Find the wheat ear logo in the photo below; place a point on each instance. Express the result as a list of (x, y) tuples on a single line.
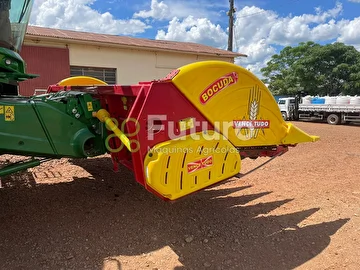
[(252, 123), (254, 103)]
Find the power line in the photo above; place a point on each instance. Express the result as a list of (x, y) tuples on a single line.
[(252, 14), (233, 28), (259, 12)]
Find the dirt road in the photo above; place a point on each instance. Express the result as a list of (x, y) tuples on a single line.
[(301, 211)]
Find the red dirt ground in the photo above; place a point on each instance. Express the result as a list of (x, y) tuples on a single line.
[(300, 211)]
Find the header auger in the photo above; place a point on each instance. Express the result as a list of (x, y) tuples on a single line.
[(178, 135)]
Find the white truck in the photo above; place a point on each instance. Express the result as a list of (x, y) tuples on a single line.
[(335, 110)]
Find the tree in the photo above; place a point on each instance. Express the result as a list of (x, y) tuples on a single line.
[(317, 69)]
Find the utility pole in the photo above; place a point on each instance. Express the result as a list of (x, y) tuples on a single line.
[(231, 25)]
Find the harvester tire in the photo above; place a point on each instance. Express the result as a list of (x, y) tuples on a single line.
[(333, 119)]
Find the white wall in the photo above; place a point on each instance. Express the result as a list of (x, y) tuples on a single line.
[(133, 65)]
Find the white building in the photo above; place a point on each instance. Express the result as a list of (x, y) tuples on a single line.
[(57, 54)]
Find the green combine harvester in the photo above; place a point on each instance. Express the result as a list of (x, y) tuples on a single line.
[(14, 18), (50, 126)]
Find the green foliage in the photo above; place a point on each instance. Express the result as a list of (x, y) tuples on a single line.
[(330, 69)]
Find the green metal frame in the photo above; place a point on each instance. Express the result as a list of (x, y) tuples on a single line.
[(12, 67)]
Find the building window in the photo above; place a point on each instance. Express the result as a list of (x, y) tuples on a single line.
[(107, 75)]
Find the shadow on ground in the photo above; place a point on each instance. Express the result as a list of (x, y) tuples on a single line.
[(78, 225)]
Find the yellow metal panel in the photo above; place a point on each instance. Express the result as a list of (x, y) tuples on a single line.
[(295, 136), (179, 167), (81, 81), (237, 103)]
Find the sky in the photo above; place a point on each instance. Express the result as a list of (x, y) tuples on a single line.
[(261, 29)]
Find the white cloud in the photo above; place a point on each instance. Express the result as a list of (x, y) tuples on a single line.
[(258, 54), (158, 10), (326, 31), (255, 24), (355, 1), (167, 10), (78, 15), (194, 30), (350, 32), (259, 32)]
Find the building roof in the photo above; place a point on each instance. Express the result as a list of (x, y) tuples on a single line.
[(141, 43)]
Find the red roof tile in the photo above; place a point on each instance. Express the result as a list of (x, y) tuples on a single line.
[(128, 41)]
